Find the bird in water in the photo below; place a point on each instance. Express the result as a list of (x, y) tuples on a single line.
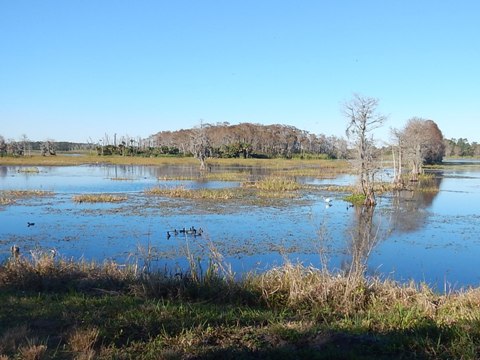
[(327, 200), (30, 224)]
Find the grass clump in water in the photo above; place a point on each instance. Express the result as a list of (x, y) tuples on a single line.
[(9, 197), (22, 194), (98, 198), (183, 193), (274, 187), (355, 199), (29, 170)]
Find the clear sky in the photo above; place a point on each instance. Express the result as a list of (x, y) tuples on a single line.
[(74, 70)]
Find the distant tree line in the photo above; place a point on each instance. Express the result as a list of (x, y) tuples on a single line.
[(25, 147), (461, 147), (247, 140)]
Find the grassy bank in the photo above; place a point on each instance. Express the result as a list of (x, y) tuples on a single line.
[(52, 308), (309, 166)]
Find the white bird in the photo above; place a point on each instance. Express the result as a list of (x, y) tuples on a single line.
[(327, 200)]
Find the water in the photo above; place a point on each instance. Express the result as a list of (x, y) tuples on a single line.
[(425, 236)]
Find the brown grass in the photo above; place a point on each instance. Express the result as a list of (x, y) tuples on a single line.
[(99, 198), (181, 192), (20, 194), (82, 343)]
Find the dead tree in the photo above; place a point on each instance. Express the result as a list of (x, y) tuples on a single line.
[(363, 118)]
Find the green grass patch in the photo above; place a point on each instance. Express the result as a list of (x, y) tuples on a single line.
[(356, 199)]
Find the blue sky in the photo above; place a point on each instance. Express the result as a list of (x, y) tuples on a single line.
[(74, 70)]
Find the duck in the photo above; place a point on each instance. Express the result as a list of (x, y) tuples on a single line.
[(30, 223)]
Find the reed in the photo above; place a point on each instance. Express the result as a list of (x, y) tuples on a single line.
[(274, 184)]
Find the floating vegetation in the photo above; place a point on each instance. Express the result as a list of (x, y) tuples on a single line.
[(356, 199), (9, 197), (181, 192), (121, 179), (99, 198), (211, 176), (29, 170), (26, 193), (6, 201)]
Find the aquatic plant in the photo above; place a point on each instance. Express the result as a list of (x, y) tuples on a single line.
[(182, 192), (275, 184), (32, 169), (98, 198)]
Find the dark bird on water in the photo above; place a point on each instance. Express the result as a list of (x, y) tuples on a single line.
[(30, 224)]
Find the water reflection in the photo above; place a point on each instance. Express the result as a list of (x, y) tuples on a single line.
[(364, 236), (409, 207)]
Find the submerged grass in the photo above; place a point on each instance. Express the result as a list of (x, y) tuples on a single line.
[(54, 308), (99, 198)]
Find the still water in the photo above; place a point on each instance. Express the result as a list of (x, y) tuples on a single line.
[(427, 236)]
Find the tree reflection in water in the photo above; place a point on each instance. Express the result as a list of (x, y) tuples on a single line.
[(407, 213), (364, 236)]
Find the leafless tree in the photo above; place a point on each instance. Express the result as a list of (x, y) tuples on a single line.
[(25, 145), (363, 118), (398, 148), (199, 144), (48, 148)]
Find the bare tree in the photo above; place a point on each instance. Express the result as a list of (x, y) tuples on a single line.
[(25, 145), (363, 118), (398, 147), (48, 148), (200, 144)]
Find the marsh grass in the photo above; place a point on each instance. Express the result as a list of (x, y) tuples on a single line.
[(22, 194), (30, 170), (274, 184), (210, 176), (98, 198), (203, 194), (111, 311), (9, 197)]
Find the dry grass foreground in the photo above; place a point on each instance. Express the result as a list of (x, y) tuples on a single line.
[(52, 308)]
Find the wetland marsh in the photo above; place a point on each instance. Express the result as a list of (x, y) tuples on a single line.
[(429, 236)]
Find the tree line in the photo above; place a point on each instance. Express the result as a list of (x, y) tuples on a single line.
[(249, 140), (26, 147)]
